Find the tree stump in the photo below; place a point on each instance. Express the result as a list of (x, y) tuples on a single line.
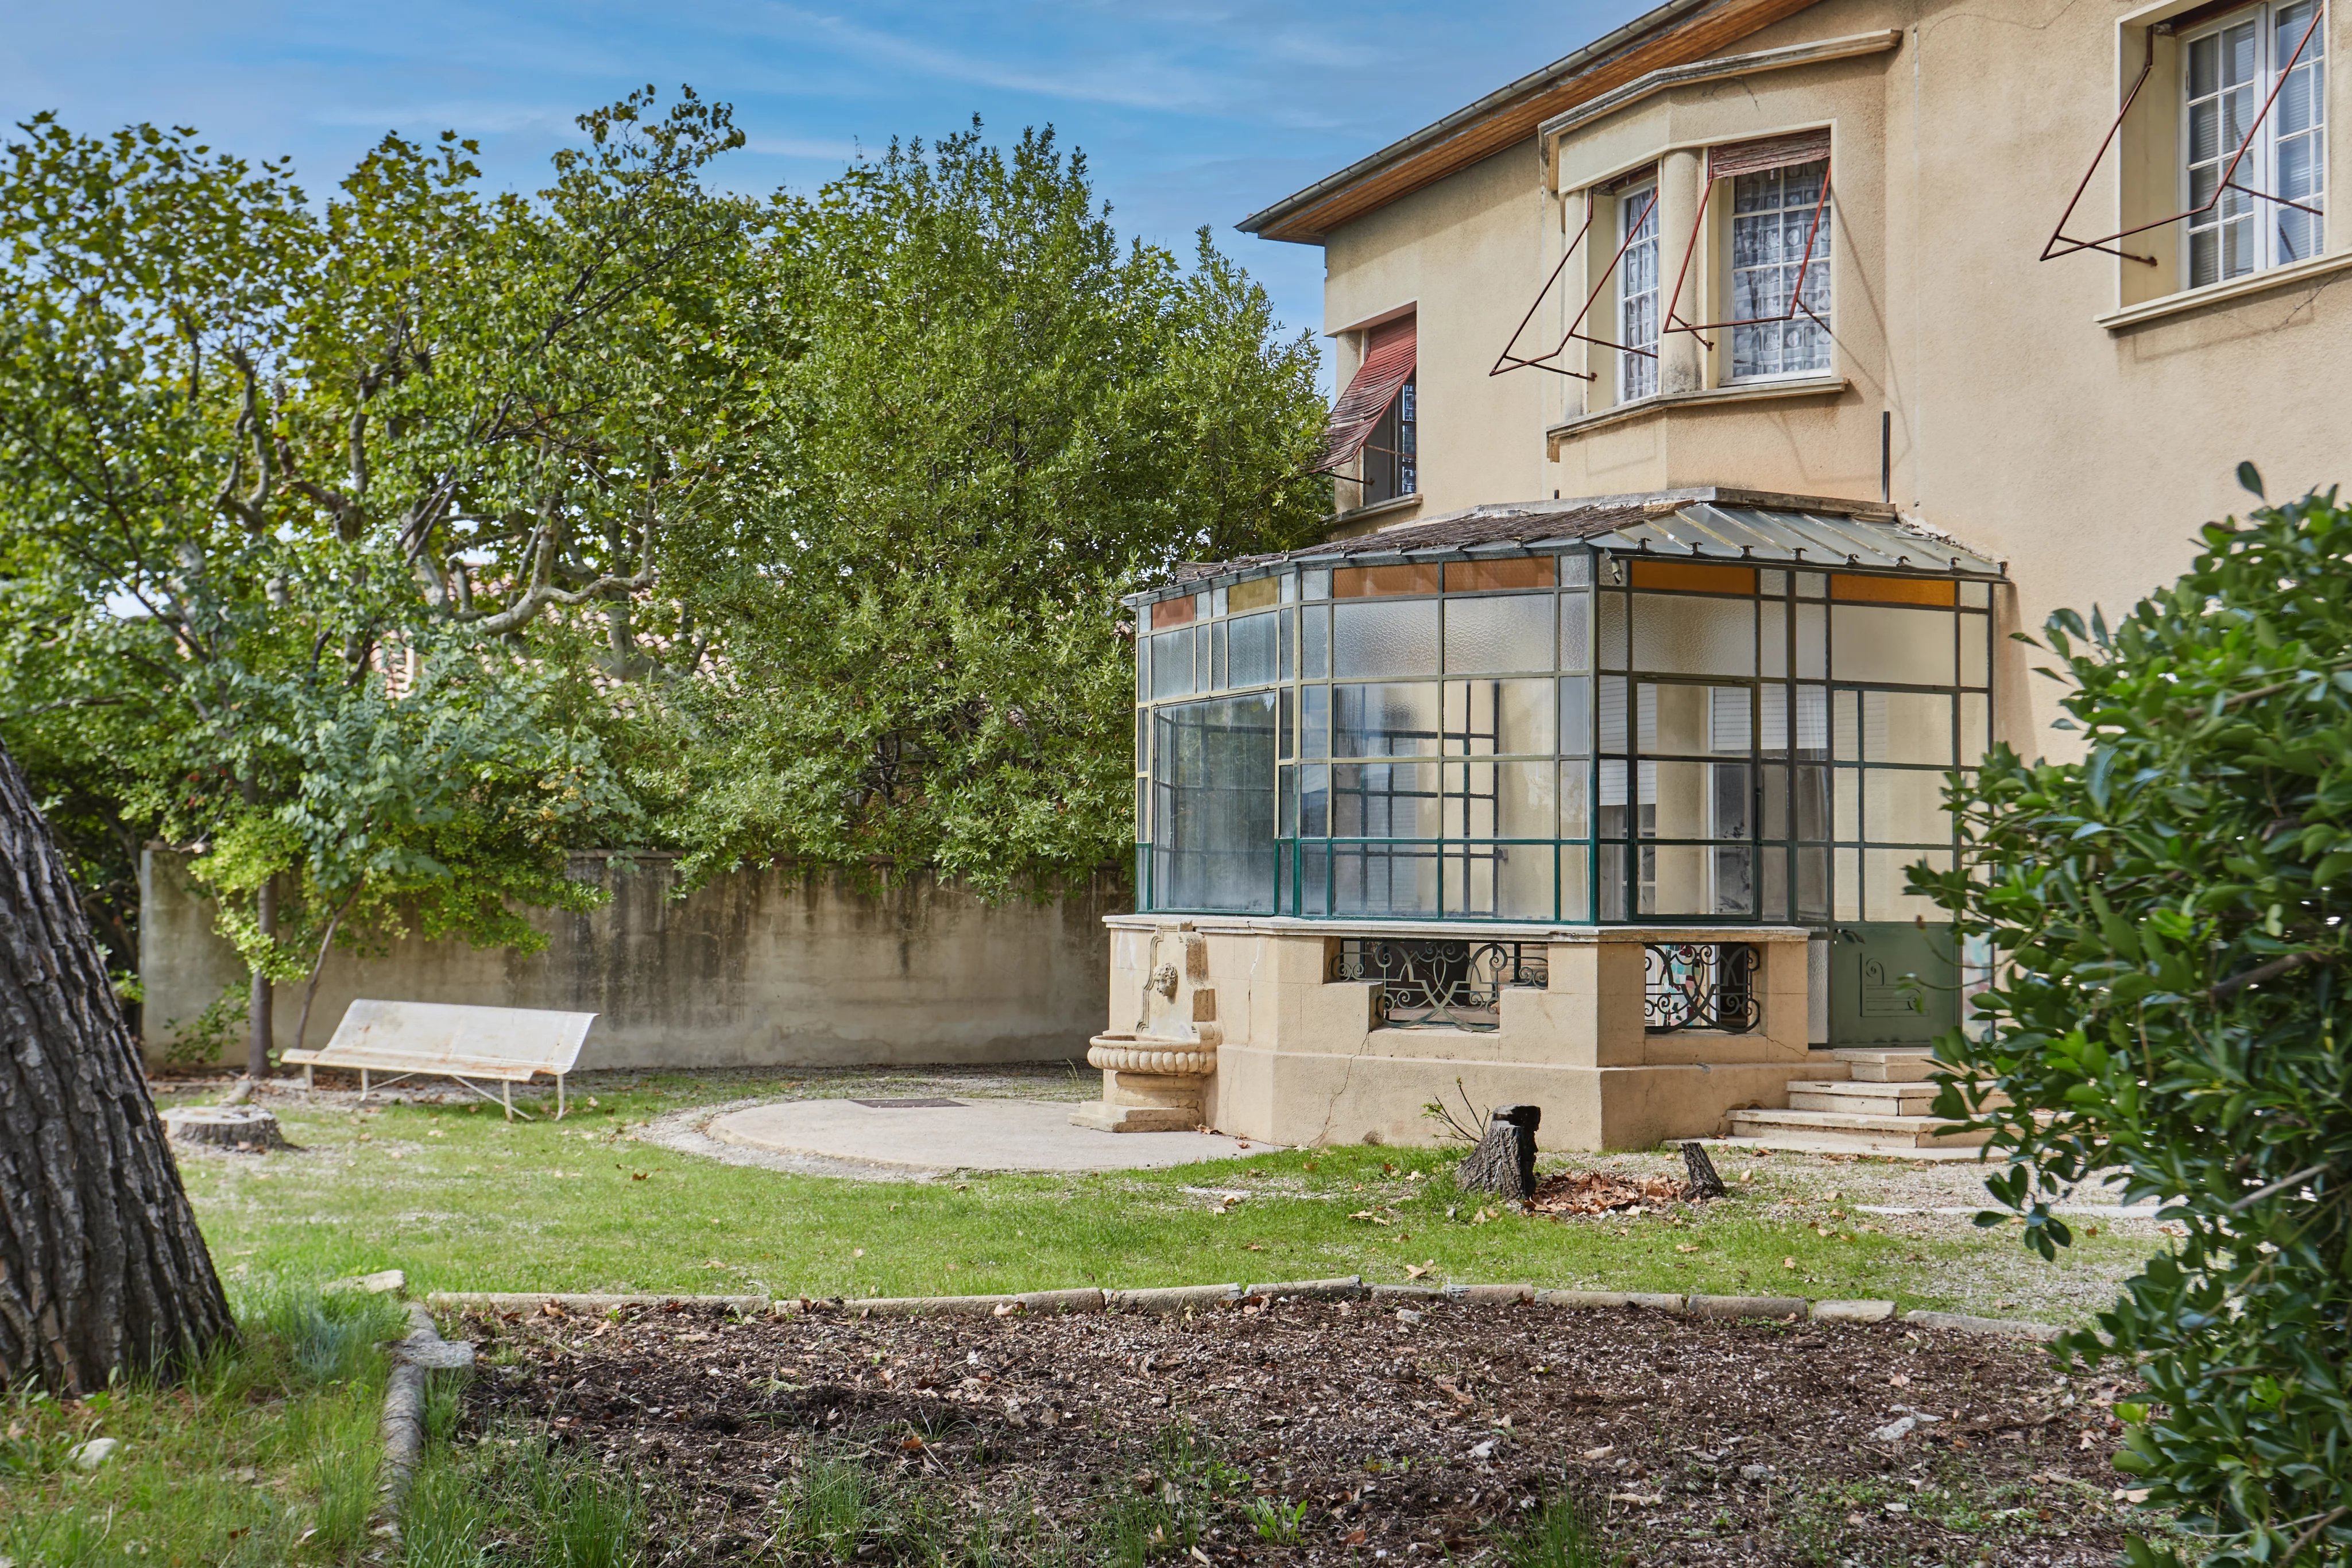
[(1704, 1182), (1504, 1163), (102, 1267), (246, 1129)]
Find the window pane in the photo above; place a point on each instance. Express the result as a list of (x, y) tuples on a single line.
[(1773, 871), (1172, 663), (1498, 718), (1288, 729), (1813, 641), (1976, 727), (1845, 741), (1975, 650), (1779, 255), (1575, 630), (1697, 879), (1772, 819), (1251, 661), (1494, 635), (1610, 643), (1385, 720), (1142, 669), (1772, 638), (1218, 678), (1315, 801), (1314, 879), (1572, 785), (1575, 716), (1383, 879), (1286, 801), (1695, 799), (1214, 831), (1694, 721), (1813, 803), (1683, 634), (1637, 293), (1384, 800), (1315, 721), (1575, 870), (1609, 885), (1883, 880), (1314, 641), (1500, 882), (1883, 644), (1500, 799), (1845, 819), (1612, 713), (1906, 726), (1813, 885), (1901, 807), (1385, 639)]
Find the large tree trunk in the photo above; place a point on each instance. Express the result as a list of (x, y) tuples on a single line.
[(260, 996), (102, 1266)]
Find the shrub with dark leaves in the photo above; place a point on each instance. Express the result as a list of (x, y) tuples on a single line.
[(2172, 1000)]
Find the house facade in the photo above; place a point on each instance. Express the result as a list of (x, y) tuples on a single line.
[(1714, 401)]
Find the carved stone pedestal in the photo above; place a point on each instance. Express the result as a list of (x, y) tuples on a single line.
[(1148, 1086)]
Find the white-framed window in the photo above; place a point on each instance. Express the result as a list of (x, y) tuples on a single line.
[(1775, 214), (2228, 70), (1637, 293)]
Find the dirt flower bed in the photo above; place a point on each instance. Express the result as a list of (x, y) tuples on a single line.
[(1310, 1431)]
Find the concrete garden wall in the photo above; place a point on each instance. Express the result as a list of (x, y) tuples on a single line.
[(773, 967)]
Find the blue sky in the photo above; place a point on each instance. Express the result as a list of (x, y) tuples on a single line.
[(1190, 112)]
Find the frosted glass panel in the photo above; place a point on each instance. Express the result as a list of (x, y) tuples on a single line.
[(1879, 642), (1385, 639), (1906, 726), (1498, 718), (1384, 800), (1314, 641), (1575, 716), (1697, 800), (1612, 713), (1172, 663), (1572, 787), (1813, 885), (1499, 635), (1611, 642), (1900, 806), (1976, 727), (1251, 660), (1846, 865), (1683, 634), (1883, 881), (1772, 639), (1575, 630), (1813, 649), (1974, 651), (1500, 799), (1845, 732), (1846, 813), (1315, 721), (1575, 872), (1385, 720), (1315, 801), (1693, 721)]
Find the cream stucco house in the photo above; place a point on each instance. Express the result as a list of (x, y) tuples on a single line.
[(1715, 399)]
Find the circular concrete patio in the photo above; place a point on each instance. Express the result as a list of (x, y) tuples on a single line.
[(941, 1133)]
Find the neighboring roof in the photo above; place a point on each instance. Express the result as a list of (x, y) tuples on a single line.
[(1675, 32), (1707, 521)]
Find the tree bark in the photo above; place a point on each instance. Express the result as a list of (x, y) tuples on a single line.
[(258, 1007), (102, 1266), (1505, 1160)]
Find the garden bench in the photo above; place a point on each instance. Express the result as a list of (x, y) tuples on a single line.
[(503, 1045)]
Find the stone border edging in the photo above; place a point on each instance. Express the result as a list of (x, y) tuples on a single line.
[(402, 1426), (1189, 1298)]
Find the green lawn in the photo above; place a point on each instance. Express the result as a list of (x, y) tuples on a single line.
[(462, 1199)]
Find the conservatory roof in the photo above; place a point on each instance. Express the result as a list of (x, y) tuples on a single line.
[(1707, 521)]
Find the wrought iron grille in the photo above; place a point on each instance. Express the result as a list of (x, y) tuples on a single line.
[(1434, 983), (1699, 984)]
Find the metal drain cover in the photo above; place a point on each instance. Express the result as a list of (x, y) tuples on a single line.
[(929, 1104)]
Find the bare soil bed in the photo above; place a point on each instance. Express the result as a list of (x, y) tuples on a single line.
[(1314, 1431)]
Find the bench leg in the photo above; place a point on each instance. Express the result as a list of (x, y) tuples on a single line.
[(363, 1082), (559, 1096), (506, 1097), (310, 1081)]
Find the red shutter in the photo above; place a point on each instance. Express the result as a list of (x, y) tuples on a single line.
[(1771, 152), (1388, 365)]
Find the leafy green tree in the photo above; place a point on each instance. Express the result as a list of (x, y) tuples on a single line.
[(258, 459), (2173, 920), (987, 420)]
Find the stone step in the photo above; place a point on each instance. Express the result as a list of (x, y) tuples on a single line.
[(1890, 1066), (1840, 1144), (1867, 1099), (1863, 1131)]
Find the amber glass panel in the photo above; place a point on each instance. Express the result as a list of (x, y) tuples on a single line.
[(1258, 594), (1892, 589), (1176, 612), (1692, 577), (1371, 581), (1479, 576)]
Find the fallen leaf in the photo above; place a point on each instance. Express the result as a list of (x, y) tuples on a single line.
[(1415, 1271), (1602, 1452), (1685, 1246), (1251, 1246), (1354, 1538), (857, 1253), (1368, 1213), (1788, 1263)]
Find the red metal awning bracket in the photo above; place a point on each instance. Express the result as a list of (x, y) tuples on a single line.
[(2063, 243), (1507, 361)]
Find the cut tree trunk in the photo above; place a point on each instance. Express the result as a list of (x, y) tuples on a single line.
[(1505, 1160), (102, 1267), (248, 1129)]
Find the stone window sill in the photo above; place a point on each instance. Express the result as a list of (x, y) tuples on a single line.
[(1743, 392), (1363, 519), (2189, 300)]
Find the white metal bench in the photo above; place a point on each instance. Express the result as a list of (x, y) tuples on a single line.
[(502, 1045)]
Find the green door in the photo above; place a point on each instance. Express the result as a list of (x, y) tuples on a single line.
[(1892, 982)]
